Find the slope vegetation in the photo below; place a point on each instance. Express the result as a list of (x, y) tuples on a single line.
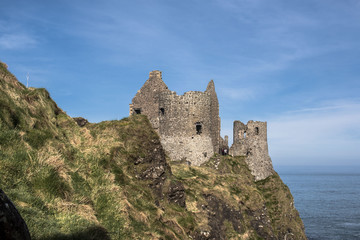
[(112, 180)]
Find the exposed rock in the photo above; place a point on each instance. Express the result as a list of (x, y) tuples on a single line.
[(12, 225), (219, 212), (81, 121), (176, 194), (261, 223), (153, 167)]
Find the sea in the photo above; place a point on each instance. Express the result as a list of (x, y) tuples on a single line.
[(327, 198)]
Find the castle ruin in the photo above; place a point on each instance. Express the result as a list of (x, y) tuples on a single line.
[(189, 126), (250, 140)]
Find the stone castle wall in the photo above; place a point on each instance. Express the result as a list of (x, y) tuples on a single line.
[(146, 100), (182, 114), (215, 123), (239, 147), (251, 140), (185, 126)]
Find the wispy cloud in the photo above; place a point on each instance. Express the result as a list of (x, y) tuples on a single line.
[(13, 41), (281, 35), (241, 94), (338, 105), (320, 135)]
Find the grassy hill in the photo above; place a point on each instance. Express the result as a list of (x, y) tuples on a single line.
[(112, 180)]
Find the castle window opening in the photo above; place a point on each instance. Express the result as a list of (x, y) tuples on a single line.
[(137, 110), (256, 131), (248, 152), (198, 128), (244, 134), (162, 111)]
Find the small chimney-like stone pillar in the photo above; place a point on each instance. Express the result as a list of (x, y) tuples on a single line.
[(155, 74)]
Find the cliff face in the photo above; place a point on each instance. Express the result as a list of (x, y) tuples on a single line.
[(71, 179)]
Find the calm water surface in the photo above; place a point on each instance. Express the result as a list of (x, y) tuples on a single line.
[(327, 198)]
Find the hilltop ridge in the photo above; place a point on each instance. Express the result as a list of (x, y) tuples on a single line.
[(70, 179)]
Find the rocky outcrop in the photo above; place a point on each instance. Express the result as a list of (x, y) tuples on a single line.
[(176, 194), (218, 212), (12, 225), (153, 166), (81, 121)]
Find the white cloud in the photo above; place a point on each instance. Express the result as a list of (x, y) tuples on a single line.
[(326, 134), (242, 94), (17, 41)]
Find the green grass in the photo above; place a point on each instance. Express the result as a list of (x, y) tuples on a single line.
[(11, 115), (48, 181), (37, 138), (187, 221)]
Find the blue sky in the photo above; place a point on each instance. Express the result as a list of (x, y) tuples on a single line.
[(294, 64)]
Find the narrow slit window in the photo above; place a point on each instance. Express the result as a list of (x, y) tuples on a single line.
[(256, 131), (162, 111), (244, 134), (198, 128)]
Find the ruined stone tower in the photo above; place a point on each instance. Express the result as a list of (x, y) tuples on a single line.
[(251, 140), (146, 100), (188, 124)]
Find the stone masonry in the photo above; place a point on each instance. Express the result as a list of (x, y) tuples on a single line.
[(185, 126), (251, 140), (189, 126)]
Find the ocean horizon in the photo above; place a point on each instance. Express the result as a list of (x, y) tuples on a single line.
[(327, 198)]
